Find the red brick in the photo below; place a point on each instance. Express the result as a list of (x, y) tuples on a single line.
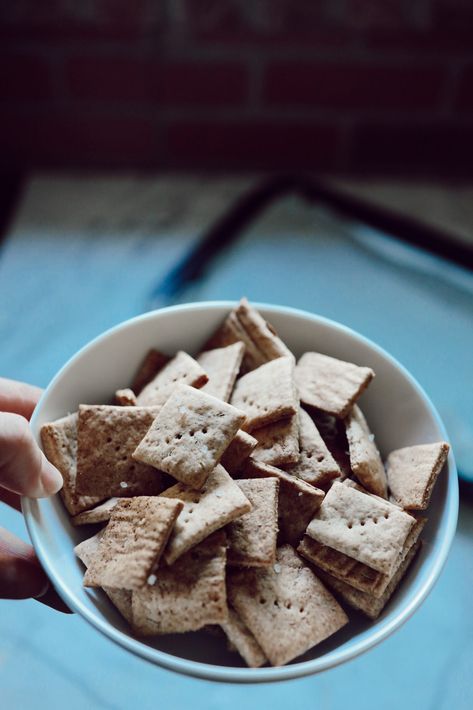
[(24, 76), (464, 100), (252, 145), (353, 86), (167, 83)]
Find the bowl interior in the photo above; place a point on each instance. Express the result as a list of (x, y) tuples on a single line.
[(398, 412)]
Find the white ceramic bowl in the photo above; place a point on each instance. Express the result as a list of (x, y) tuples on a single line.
[(399, 413)]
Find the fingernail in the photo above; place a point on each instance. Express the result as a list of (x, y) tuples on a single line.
[(51, 479)]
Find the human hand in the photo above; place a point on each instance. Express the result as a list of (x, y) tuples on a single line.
[(24, 470)]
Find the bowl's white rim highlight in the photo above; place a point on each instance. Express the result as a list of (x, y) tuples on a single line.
[(368, 638)]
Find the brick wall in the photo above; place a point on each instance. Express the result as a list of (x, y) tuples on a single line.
[(346, 85)]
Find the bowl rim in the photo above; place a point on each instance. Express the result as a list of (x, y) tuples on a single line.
[(250, 675)]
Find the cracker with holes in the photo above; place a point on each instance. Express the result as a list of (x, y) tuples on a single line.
[(363, 527), (316, 464), (106, 439), (189, 435), (187, 595), (267, 394), (182, 369), (131, 546), (252, 537), (238, 451), (243, 641), (100, 514), (298, 500), (278, 443), (59, 441), (413, 471), (330, 385), (222, 366), (365, 459), (206, 510), (286, 608)]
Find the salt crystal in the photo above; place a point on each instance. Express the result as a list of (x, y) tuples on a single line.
[(300, 493), (277, 568), (218, 495), (371, 437), (152, 579), (123, 484)]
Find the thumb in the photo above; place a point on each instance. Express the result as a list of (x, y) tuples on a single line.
[(21, 576)]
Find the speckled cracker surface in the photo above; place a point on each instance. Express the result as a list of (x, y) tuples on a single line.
[(298, 500), (107, 437), (182, 369), (222, 366), (365, 459), (219, 502), (329, 384), (238, 451), (241, 638), (316, 464), (363, 527), (189, 435), (152, 363), (100, 514), (286, 608), (413, 471), (186, 596), (132, 543), (125, 398), (267, 394), (59, 441), (252, 538), (278, 443)]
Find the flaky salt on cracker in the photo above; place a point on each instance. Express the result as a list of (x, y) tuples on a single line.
[(186, 596), (298, 500), (267, 394), (189, 435), (363, 527), (59, 441), (252, 537), (365, 459), (243, 641), (286, 608), (132, 543), (182, 369), (238, 451), (222, 366), (100, 514), (413, 471), (245, 324), (330, 385), (316, 464), (125, 398), (219, 502), (106, 439), (152, 363), (278, 443)]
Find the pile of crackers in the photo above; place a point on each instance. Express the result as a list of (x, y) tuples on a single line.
[(242, 491)]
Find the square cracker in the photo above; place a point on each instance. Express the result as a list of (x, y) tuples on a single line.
[(278, 443), (186, 596), (121, 598), (316, 464), (363, 527), (181, 369), (219, 502), (365, 459), (222, 366), (298, 500), (353, 573), (107, 437), (329, 384), (241, 639), (189, 435), (286, 608), (59, 441), (238, 451), (100, 514), (365, 602), (267, 394), (133, 542), (152, 363), (244, 323), (252, 538), (413, 471)]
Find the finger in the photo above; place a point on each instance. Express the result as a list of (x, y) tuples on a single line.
[(18, 397), (21, 575), (24, 469), (11, 499)]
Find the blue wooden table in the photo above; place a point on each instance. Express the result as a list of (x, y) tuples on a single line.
[(85, 253)]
